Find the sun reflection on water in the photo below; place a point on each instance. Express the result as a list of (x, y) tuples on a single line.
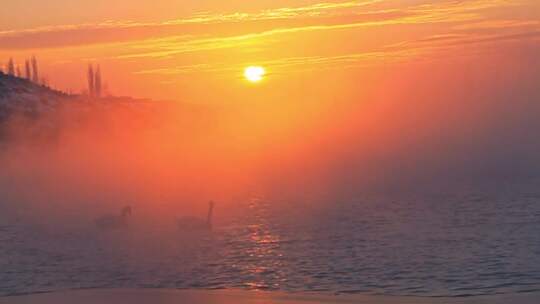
[(264, 254)]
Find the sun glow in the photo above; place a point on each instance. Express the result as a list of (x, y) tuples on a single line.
[(254, 73)]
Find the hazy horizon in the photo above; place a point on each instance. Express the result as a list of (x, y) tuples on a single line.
[(376, 146)]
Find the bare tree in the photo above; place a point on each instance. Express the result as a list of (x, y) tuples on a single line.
[(28, 74), (35, 74), (91, 80), (97, 82), (11, 67)]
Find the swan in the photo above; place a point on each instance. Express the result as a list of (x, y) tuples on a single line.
[(189, 223), (111, 222)]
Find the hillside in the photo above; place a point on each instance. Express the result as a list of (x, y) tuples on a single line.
[(29, 110), (21, 96), (39, 113)]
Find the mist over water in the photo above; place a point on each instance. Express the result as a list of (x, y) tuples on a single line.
[(437, 246), (410, 191)]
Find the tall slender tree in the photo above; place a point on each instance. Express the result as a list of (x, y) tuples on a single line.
[(18, 71), (28, 72), (91, 80), (97, 82), (11, 67), (35, 74)]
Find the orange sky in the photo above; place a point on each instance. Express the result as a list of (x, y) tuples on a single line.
[(356, 92), (167, 49)]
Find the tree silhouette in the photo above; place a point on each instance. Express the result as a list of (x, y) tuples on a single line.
[(18, 71), (91, 80), (28, 72), (35, 74), (11, 67), (97, 82)]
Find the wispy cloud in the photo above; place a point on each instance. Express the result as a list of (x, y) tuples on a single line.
[(477, 31), (174, 45), (301, 63), (199, 24), (322, 16), (319, 9), (447, 24), (497, 24), (447, 12)]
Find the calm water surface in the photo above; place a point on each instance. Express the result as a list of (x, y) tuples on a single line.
[(439, 245)]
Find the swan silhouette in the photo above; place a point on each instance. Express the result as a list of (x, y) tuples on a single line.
[(111, 222), (190, 223)]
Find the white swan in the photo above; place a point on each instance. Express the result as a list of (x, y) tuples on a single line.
[(111, 222), (189, 223)]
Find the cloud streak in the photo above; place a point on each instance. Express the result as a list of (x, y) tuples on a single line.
[(200, 24), (322, 16), (448, 12), (428, 28)]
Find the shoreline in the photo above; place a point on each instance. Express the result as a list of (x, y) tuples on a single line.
[(234, 296)]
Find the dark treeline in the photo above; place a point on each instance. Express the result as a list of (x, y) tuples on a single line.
[(96, 87), (31, 71), (94, 81)]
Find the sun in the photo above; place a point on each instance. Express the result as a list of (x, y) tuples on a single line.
[(254, 73)]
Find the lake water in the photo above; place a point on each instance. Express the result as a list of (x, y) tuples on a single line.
[(436, 245)]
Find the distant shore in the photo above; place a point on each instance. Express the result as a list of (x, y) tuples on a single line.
[(166, 296)]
